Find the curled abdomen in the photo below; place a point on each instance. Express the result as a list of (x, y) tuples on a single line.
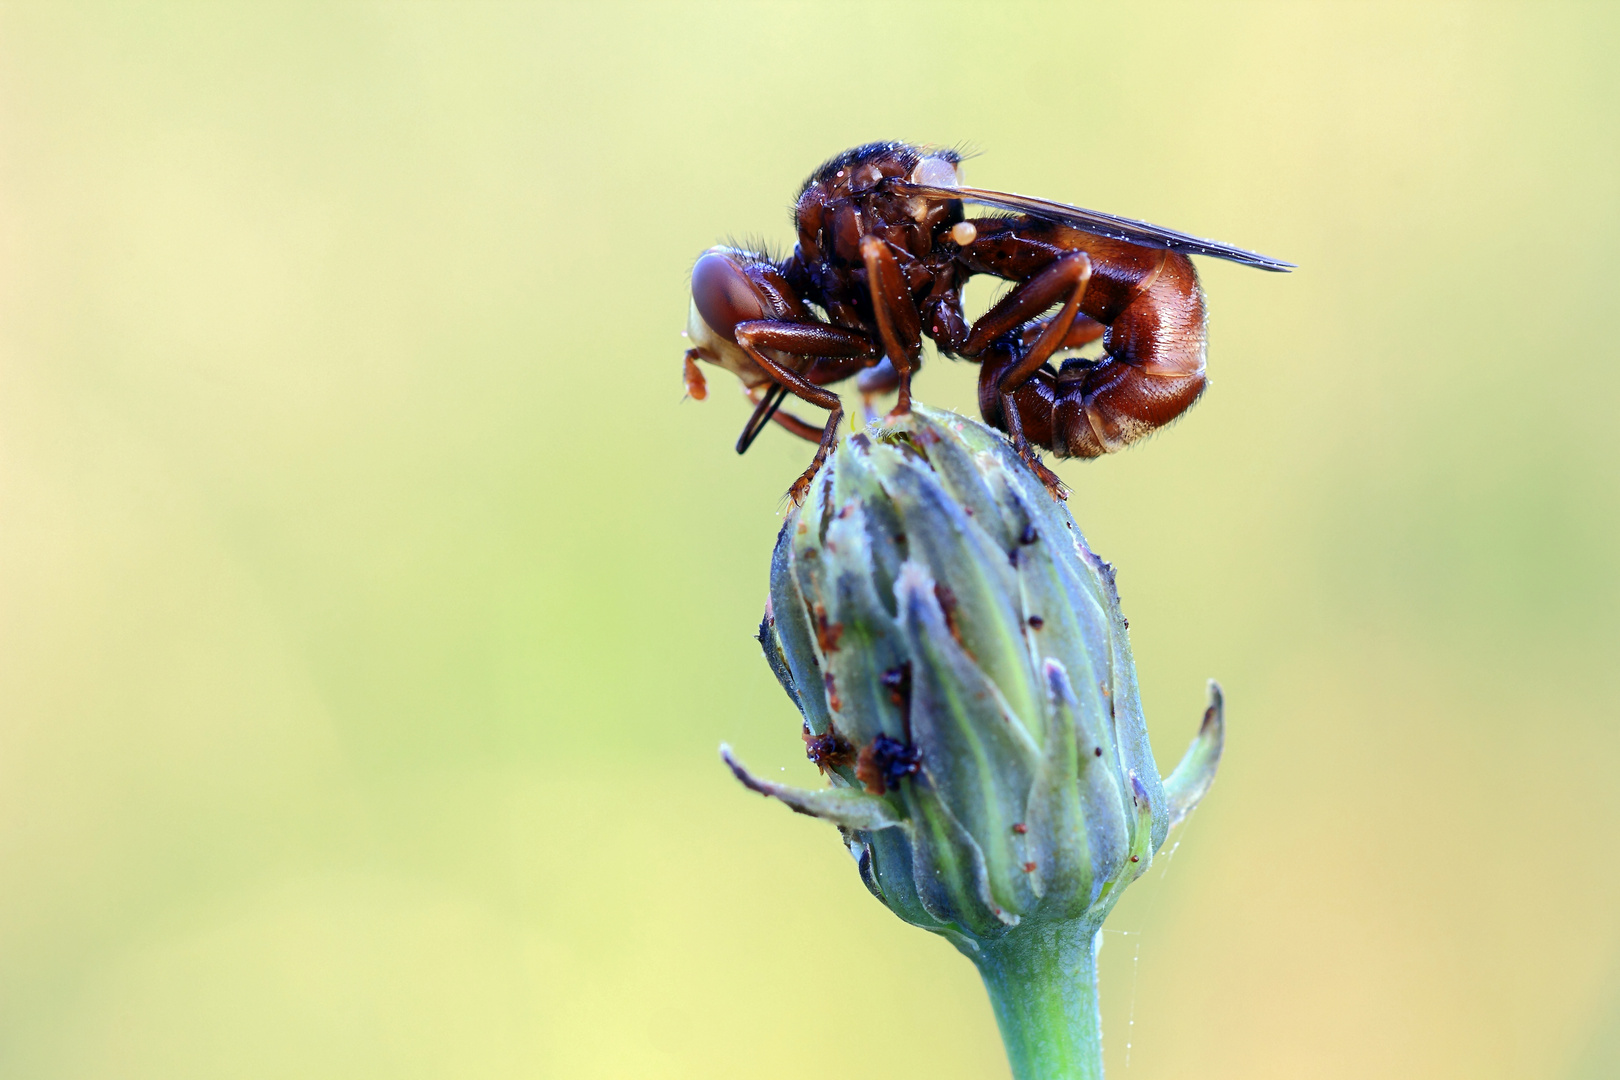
[(1151, 372)]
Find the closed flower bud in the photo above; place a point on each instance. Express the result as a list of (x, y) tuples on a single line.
[(962, 668)]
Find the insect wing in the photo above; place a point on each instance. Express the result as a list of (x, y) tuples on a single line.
[(1115, 228)]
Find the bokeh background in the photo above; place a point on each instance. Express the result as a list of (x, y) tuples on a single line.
[(371, 605)]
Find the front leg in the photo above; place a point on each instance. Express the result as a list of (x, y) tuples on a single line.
[(814, 340), (767, 402), (899, 324)]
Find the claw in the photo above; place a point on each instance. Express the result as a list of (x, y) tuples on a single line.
[(1054, 484), (801, 488)]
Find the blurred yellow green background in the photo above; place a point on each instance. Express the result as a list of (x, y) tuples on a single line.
[(371, 605)]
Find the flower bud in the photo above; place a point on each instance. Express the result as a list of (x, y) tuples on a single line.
[(965, 680)]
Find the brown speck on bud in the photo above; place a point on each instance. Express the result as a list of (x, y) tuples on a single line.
[(1029, 867), (828, 750), (1036, 622), (827, 633), (1020, 828), (833, 701), (868, 773), (897, 680), (947, 605)]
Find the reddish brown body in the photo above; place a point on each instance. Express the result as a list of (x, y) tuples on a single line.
[(883, 252), (1149, 308)]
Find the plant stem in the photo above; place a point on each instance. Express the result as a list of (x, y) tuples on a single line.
[(1042, 982)]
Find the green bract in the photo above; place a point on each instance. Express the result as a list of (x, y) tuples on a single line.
[(965, 679)]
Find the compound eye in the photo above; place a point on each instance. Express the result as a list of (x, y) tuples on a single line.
[(723, 294)]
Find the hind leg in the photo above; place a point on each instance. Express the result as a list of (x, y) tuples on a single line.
[(1066, 278)]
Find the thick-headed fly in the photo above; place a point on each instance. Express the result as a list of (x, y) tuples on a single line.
[(883, 251)]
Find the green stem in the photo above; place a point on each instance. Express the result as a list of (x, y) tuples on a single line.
[(1042, 982)]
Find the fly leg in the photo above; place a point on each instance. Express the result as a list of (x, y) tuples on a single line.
[(767, 398), (874, 382), (696, 388), (1083, 331), (899, 324), (1065, 278), (815, 340), (1029, 298)]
